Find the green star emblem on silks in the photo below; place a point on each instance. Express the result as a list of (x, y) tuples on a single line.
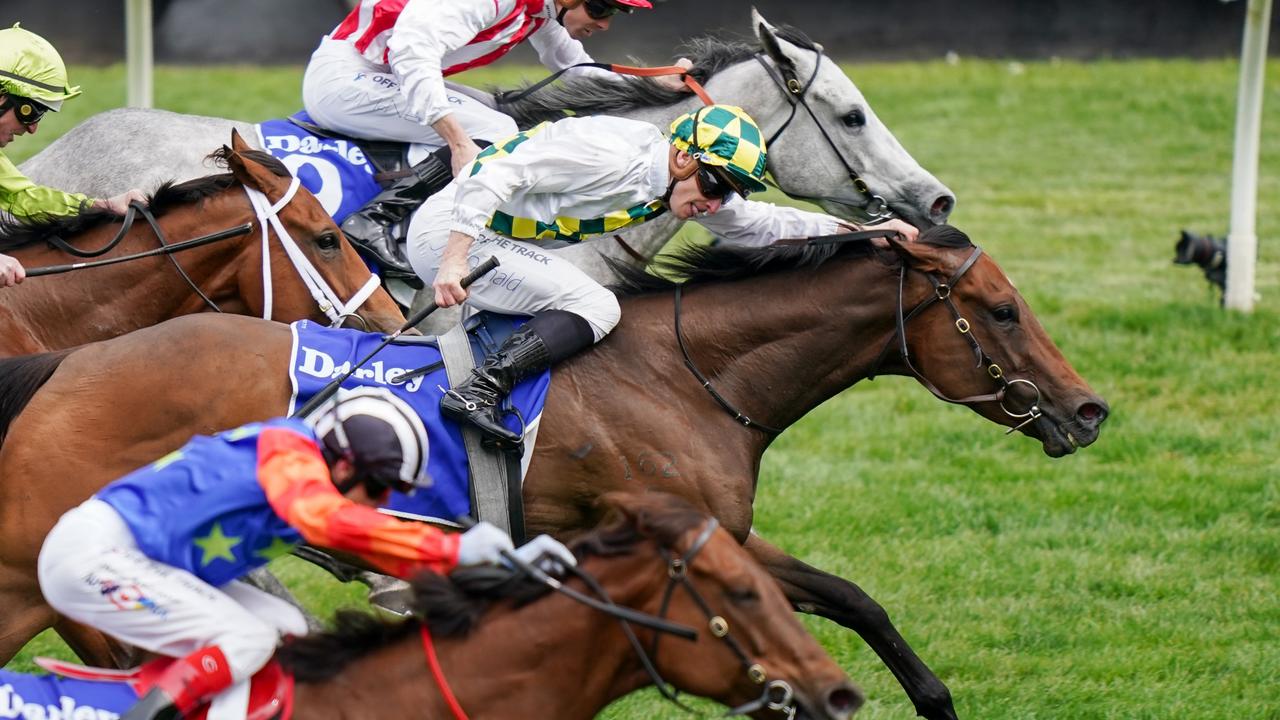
[(217, 545), (278, 547)]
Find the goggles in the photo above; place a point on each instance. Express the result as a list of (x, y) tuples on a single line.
[(716, 183), (600, 9), (26, 110)]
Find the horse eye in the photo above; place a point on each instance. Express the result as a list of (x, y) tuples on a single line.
[(328, 241), (1005, 314), (742, 595), (855, 119)]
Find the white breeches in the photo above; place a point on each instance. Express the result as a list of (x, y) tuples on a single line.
[(343, 91), (528, 279), (92, 571)]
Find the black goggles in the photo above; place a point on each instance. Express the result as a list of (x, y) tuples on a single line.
[(26, 110), (715, 183), (600, 9)]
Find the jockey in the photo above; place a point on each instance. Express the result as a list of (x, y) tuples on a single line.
[(33, 80), (170, 540), (380, 75), (565, 181)]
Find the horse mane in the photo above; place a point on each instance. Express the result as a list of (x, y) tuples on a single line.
[(452, 605), (15, 232), (595, 95), (724, 261)]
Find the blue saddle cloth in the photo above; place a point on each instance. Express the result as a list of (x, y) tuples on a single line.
[(49, 696), (321, 354), (336, 171)]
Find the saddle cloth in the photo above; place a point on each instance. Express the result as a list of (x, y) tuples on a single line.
[(337, 171), (79, 692), (321, 354)]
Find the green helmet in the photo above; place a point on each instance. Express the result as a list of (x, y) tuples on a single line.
[(724, 136), (31, 68)]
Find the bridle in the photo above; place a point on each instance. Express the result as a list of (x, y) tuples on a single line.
[(329, 302), (942, 293), (875, 207), (776, 695), (326, 298)]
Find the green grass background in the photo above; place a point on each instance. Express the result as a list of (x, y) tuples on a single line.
[(1137, 579)]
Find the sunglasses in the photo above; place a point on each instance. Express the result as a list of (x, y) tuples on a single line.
[(714, 183), (600, 9), (28, 112)]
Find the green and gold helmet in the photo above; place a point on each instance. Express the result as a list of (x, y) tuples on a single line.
[(724, 136), (31, 68)]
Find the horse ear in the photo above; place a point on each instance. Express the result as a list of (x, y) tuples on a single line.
[(769, 41), (237, 143), (917, 255)]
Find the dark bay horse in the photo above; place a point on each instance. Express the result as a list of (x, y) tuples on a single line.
[(503, 656), (55, 312), (776, 331)]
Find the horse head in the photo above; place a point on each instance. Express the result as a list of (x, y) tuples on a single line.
[(831, 147), (971, 338), (310, 271), (751, 652)]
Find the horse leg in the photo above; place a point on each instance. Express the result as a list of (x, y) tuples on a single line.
[(815, 592), (25, 615)]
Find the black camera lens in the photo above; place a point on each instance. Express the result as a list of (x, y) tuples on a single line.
[(1206, 251)]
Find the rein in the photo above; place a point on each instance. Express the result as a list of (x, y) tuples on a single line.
[(694, 86), (784, 76)]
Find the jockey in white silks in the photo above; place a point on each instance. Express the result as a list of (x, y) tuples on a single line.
[(380, 75), (564, 182)]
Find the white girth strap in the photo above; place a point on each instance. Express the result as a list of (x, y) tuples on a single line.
[(328, 301)]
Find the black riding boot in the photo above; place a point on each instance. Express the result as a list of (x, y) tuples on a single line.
[(549, 337), (373, 226)]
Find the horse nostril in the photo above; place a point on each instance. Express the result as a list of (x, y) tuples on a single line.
[(843, 701), (942, 206), (1092, 413)]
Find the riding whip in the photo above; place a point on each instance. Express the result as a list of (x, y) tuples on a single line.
[(328, 390)]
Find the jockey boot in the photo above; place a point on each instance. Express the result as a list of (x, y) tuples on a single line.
[(372, 227), (183, 686), (549, 337)]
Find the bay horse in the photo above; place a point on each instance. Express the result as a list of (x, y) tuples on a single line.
[(825, 140), (56, 312), (507, 649), (773, 331)]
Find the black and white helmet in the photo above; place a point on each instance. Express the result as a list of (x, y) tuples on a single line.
[(380, 435)]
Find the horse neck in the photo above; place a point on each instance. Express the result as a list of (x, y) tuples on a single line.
[(776, 346), (88, 305), (549, 658)]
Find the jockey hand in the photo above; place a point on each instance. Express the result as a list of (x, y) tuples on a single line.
[(462, 153), (453, 267), (547, 554), (908, 231), (676, 82), (11, 272), (120, 203)]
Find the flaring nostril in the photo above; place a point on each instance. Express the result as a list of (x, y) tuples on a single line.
[(1091, 413), (844, 701), (942, 205)]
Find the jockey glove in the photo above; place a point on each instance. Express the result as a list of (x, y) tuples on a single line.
[(485, 543)]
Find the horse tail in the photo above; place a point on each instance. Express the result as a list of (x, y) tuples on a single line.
[(20, 378)]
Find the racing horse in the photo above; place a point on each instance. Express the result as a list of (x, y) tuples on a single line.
[(309, 269), (826, 144), (823, 315), (569, 661)]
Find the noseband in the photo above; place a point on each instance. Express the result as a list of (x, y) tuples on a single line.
[(875, 207), (942, 293)]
